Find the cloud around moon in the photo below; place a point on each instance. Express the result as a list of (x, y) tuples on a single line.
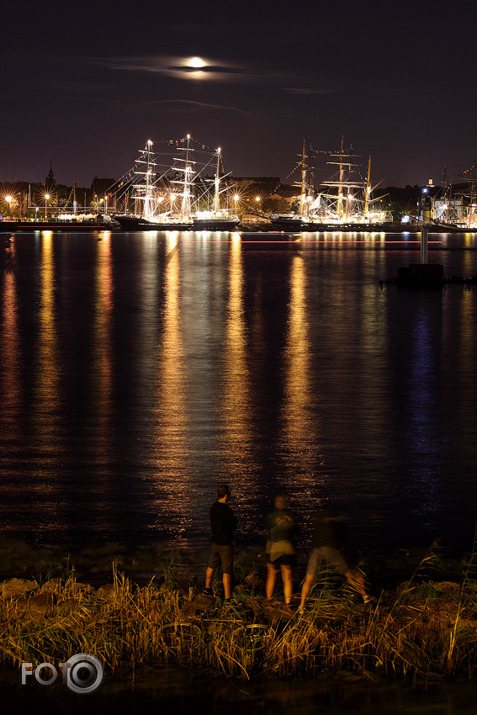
[(187, 68)]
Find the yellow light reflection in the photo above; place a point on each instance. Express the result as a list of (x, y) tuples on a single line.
[(46, 410), (301, 435), (236, 399), (102, 353), (171, 404), (10, 356)]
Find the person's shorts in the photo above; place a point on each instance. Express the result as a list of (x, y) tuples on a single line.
[(284, 560), (325, 553), (221, 555)]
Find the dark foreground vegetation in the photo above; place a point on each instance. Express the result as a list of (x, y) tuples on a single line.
[(149, 611)]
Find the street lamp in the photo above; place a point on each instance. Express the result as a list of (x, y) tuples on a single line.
[(47, 196), (9, 200)]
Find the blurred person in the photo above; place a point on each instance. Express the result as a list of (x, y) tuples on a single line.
[(282, 527), (326, 543)]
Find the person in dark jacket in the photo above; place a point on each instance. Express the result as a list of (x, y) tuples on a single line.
[(280, 549), (223, 524), (326, 540)]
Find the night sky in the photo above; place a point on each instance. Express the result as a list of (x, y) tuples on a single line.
[(85, 85)]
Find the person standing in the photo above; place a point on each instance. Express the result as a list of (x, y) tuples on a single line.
[(326, 542), (280, 549), (223, 523)]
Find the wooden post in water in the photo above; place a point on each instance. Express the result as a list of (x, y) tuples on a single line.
[(424, 243)]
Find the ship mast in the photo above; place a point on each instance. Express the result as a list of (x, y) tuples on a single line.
[(216, 206), (185, 206), (472, 197), (144, 189), (344, 163), (303, 202), (368, 189), (340, 187)]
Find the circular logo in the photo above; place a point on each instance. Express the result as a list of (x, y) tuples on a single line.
[(84, 673)]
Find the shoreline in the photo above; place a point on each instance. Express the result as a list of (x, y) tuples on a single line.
[(423, 626)]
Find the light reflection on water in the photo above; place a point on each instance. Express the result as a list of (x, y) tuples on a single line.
[(139, 370)]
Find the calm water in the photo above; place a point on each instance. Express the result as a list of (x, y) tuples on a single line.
[(139, 370)]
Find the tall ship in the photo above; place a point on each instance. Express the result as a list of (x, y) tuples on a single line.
[(343, 202), (179, 198)]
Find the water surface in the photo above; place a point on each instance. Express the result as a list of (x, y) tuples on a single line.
[(137, 371)]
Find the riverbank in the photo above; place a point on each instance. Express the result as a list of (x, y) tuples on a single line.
[(425, 626)]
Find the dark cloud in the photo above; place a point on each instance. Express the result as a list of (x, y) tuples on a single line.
[(308, 90), (178, 67), (179, 105)]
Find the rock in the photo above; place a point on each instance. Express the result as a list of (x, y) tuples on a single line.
[(405, 588), (108, 592), (70, 604), (54, 584), (42, 602), (253, 580), (197, 605), (17, 587), (202, 601), (448, 587)]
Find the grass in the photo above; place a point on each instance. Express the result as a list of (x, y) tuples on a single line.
[(426, 627)]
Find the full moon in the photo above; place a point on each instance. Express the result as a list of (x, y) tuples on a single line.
[(196, 62)]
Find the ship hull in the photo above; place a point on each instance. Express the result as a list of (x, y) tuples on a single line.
[(215, 224), (136, 223), (62, 226)]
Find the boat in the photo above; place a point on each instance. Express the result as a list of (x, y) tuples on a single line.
[(151, 192), (271, 240), (7, 226), (218, 218), (345, 202), (68, 224)]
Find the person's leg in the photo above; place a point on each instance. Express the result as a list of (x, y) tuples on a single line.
[(356, 581), (287, 578), (305, 589), (227, 581), (271, 580), (311, 571), (227, 556), (208, 577), (214, 561)]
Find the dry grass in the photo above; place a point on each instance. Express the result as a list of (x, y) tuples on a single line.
[(421, 629)]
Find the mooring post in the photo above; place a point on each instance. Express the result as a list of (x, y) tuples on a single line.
[(424, 242)]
